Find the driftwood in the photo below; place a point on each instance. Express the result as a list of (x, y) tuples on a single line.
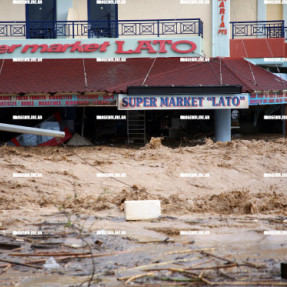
[(195, 269), (68, 254), (46, 254), (159, 264), (218, 257), (22, 264), (132, 278), (6, 268), (187, 251)]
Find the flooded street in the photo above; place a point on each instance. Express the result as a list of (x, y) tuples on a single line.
[(67, 228), (237, 244)]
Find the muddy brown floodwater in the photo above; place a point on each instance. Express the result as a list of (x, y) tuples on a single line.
[(212, 229)]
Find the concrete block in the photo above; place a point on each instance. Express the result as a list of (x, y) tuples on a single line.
[(142, 209)]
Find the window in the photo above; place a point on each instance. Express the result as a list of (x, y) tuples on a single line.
[(40, 19), (103, 20)]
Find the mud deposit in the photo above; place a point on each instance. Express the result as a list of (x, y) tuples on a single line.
[(224, 214), (236, 182), (150, 253)]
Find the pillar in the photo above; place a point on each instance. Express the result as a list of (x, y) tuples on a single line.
[(221, 48), (284, 122), (220, 28), (285, 13), (222, 125), (261, 10)]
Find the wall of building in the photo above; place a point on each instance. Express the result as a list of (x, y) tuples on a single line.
[(240, 10), (150, 9), (243, 10), (16, 12), (79, 10), (11, 12), (169, 9), (274, 12)]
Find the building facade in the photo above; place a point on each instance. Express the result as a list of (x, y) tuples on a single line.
[(91, 29)]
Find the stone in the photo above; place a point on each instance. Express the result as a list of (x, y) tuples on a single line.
[(142, 209)]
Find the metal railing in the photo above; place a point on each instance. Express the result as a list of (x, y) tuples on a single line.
[(99, 29), (260, 29)]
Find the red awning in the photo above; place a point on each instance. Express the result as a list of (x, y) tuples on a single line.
[(67, 75)]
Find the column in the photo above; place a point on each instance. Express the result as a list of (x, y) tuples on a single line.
[(220, 28), (221, 48), (261, 10), (284, 122), (285, 16), (222, 125)]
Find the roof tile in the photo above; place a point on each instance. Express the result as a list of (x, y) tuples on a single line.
[(67, 75)]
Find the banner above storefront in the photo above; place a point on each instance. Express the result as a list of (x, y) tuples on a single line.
[(101, 48), (196, 102), (267, 99), (58, 100)]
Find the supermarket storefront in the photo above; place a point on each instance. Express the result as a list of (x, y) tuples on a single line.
[(144, 75)]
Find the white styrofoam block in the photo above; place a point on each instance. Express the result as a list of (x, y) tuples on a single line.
[(142, 209)]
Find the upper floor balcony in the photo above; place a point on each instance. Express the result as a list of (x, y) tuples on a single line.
[(259, 39), (258, 29), (129, 28), (99, 29)]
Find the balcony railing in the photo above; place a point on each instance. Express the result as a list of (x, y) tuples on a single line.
[(260, 29), (99, 29)]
